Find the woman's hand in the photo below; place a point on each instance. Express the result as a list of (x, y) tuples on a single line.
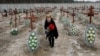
[(47, 30)]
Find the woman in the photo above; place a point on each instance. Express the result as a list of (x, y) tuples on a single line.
[(50, 30)]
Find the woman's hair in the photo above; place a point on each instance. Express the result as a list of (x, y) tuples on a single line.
[(51, 19), (48, 16)]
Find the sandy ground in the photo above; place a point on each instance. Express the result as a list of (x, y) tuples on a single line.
[(65, 45)]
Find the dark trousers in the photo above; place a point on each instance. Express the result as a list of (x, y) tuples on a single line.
[(51, 41)]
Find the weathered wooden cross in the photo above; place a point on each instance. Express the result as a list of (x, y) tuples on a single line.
[(66, 11), (91, 13), (15, 13), (32, 19), (19, 19), (73, 15)]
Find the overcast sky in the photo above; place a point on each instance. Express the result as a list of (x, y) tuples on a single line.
[(87, 0)]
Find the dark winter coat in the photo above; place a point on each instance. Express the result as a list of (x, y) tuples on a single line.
[(54, 32)]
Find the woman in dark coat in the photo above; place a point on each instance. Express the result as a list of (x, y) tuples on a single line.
[(50, 30)]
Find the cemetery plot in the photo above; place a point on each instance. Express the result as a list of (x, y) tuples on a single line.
[(22, 32)]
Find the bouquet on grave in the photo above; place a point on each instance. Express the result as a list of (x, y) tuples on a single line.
[(14, 31)]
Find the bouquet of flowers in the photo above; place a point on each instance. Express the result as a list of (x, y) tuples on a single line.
[(14, 31), (51, 27)]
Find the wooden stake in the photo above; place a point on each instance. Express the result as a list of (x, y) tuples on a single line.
[(15, 21), (19, 19)]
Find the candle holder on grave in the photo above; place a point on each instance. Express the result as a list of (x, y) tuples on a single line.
[(33, 41)]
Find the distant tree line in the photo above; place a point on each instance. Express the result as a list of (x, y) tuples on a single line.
[(36, 1)]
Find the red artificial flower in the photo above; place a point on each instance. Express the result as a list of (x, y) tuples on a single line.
[(51, 26)]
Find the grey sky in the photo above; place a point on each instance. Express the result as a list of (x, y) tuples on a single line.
[(87, 0)]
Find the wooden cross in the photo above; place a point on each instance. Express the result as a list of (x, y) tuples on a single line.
[(32, 19), (10, 11), (15, 13), (77, 9), (15, 21), (91, 13), (26, 15), (73, 15), (42, 9), (66, 11), (19, 19), (61, 9), (11, 14), (11, 18)]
